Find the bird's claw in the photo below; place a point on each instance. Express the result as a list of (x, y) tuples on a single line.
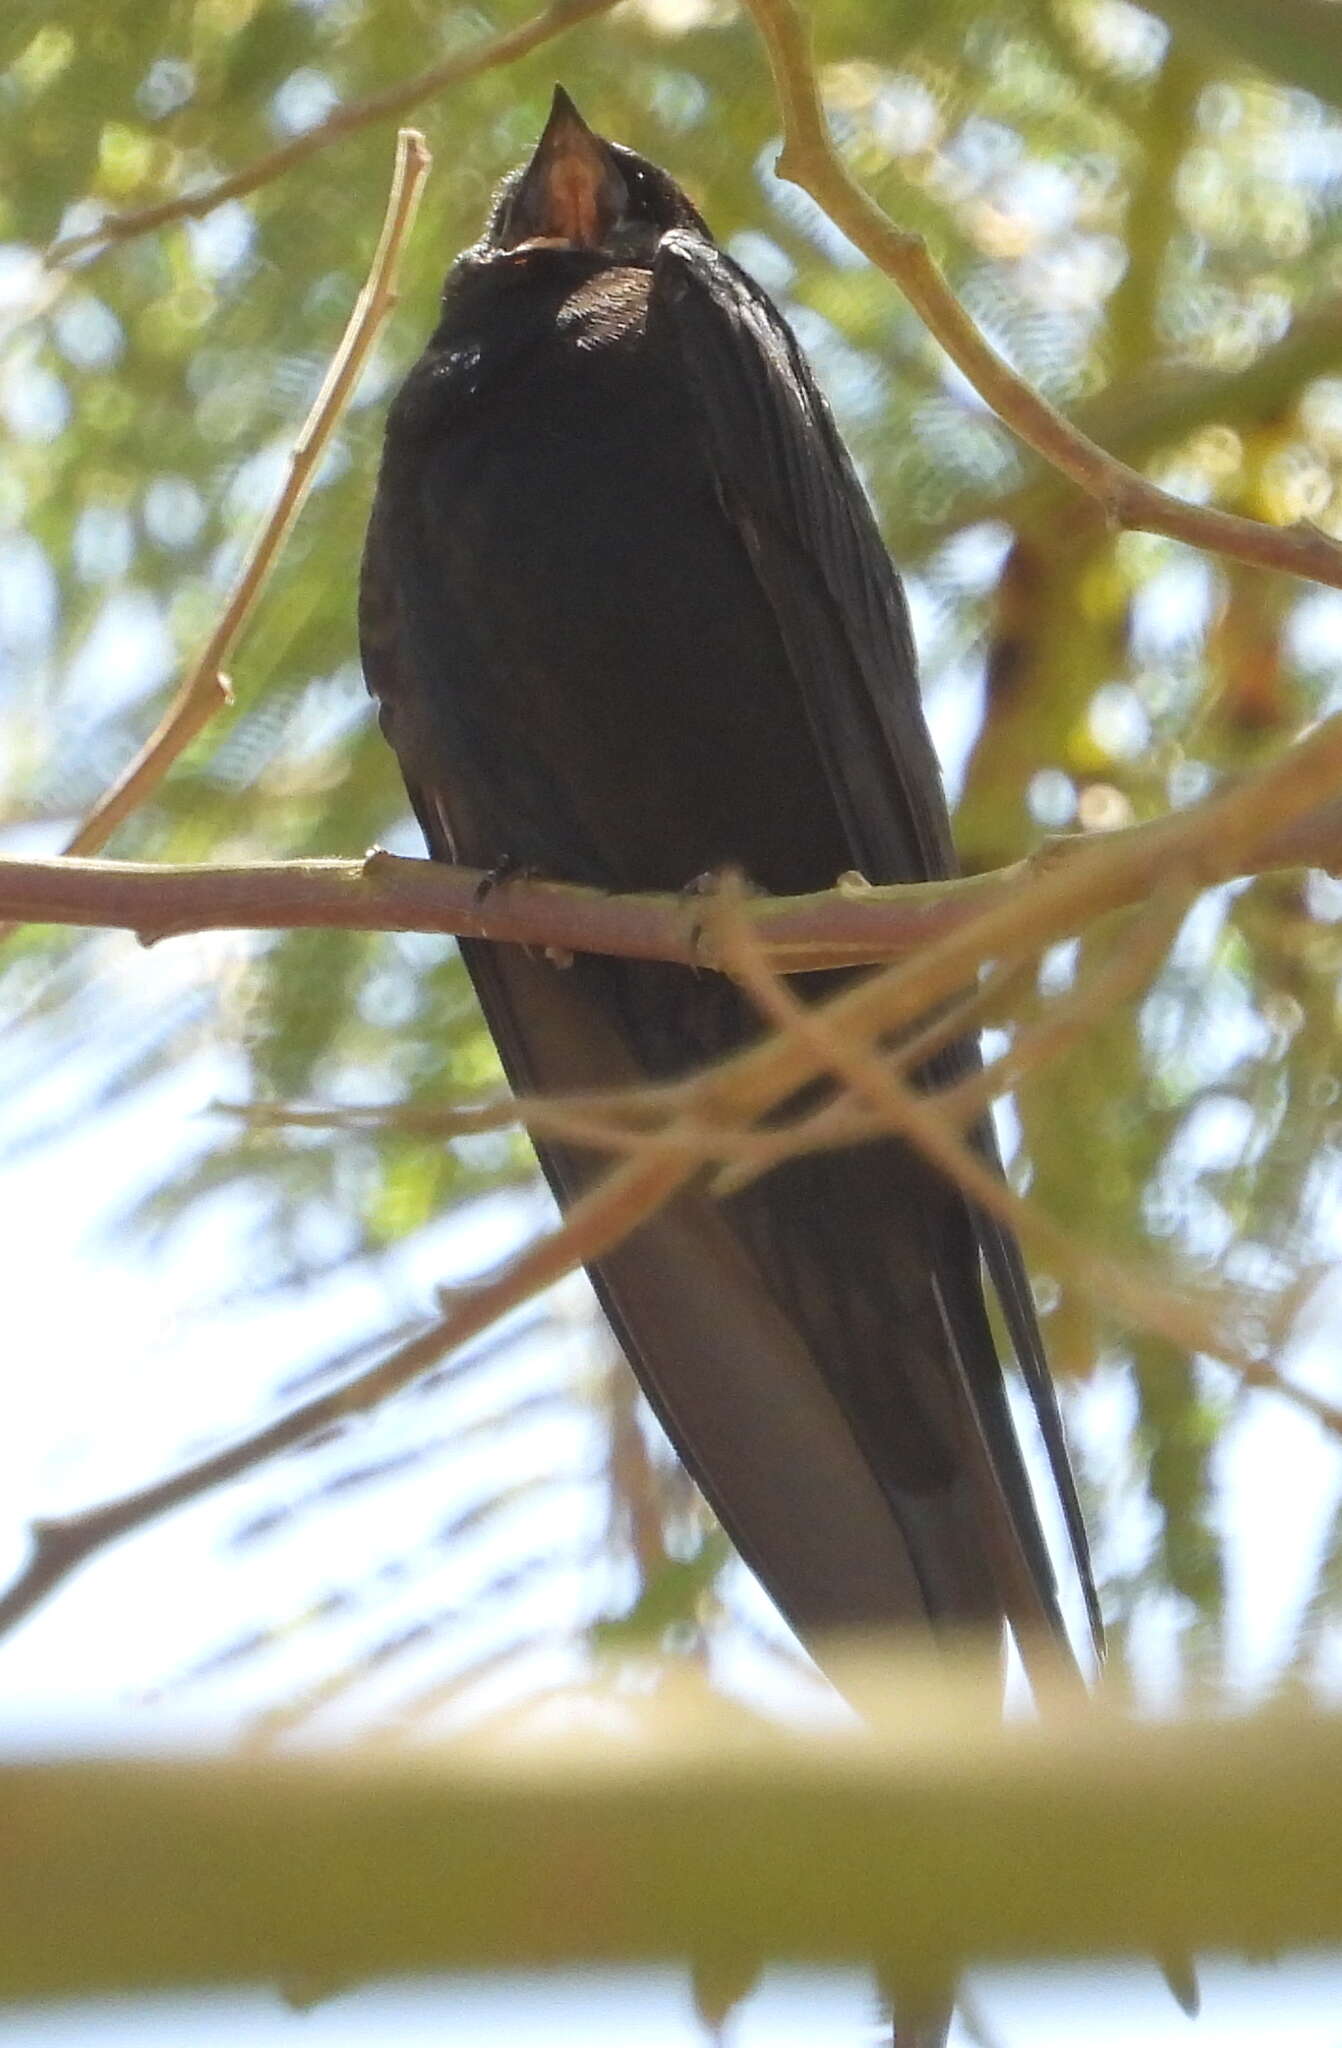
[(508, 869), (714, 884)]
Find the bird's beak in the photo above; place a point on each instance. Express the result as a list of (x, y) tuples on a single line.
[(571, 192)]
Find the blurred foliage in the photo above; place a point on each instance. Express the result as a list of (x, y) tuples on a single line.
[(1151, 231)]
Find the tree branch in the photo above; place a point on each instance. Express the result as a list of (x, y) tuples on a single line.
[(205, 689), (384, 892), (849, 926), (386, 105), (1189, 1322), (608, 1213), (673, 1825), (1158, 409), (810, 160), (625, 1121)]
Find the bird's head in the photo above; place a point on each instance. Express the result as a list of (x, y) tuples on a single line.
[(581, 192)]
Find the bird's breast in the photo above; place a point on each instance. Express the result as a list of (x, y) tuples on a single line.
[(609, 616)]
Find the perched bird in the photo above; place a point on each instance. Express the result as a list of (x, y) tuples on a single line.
[(630, 620)]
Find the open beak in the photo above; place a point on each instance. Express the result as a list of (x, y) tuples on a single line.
[(571, 192)]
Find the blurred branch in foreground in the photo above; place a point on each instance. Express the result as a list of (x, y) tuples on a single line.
[(679, 1826)]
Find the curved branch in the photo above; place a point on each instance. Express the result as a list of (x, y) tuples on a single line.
[(851, 925), (386, 105), (608, 1213), (1157, 409), (205, 689), (929, 1123), (1128, 499)]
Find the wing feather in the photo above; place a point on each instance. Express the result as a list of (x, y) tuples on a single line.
[(822, 1337), (727, 1372), (786, 482)]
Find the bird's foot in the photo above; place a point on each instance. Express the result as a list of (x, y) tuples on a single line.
[(506, 869), (721, 881), (717, 889)]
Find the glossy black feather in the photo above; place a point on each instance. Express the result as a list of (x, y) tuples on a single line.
[(786, 482), (629, 620)]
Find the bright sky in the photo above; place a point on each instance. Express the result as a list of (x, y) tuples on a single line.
[(1291, 2005)]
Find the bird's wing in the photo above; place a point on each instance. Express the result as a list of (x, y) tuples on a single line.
[(787, 484), (821, 1338), (726, 1370)]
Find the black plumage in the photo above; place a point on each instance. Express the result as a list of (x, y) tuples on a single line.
[(630, 620)]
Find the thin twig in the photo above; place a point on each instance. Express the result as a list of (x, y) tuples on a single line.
[(387, 105), (635, 1122), (631, 1122), (1146, 939), (593, 1223), (810, 161), (205, 689), (620, 1127), (632, 1110), (837, 1123), (635, 1511), (1136, 1296)]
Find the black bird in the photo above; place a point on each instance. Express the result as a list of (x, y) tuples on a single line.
[(630, 620)]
